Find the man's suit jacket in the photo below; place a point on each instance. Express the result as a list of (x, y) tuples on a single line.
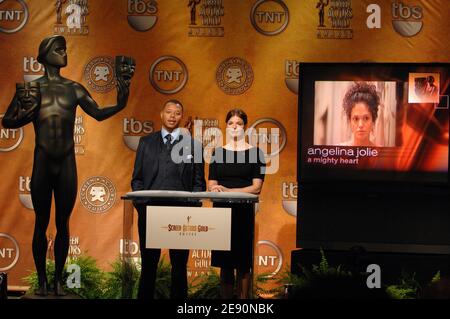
[(192, 174)]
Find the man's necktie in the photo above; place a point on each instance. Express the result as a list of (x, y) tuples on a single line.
[(168, 139)]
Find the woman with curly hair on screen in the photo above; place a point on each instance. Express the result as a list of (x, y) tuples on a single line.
[(361, 108)]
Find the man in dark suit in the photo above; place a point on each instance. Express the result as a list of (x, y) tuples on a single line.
[(160, 165)]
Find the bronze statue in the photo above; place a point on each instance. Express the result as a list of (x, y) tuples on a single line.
[(50, 103), (124, 68)]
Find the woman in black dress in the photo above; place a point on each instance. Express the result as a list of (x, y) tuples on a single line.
[(236, 167)]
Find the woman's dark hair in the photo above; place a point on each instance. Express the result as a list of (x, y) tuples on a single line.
[(362, 92), (237, 112)]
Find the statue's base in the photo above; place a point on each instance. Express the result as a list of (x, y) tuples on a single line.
[(50, 296)]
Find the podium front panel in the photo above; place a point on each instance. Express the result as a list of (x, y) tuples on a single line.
[(180, 227)]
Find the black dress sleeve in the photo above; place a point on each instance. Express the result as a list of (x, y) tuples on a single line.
[(259, 168)]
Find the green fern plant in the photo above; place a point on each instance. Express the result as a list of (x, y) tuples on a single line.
[(92, 278), (123, 281), (436, 277), (205, 286), (408, 288), (163, 280)]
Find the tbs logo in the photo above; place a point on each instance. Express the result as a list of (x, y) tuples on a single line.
[(406, 20), (25, 192), (141, 14), (32, 69), (133, 130)]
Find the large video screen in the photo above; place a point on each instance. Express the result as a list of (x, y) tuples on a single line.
[(374, 122)]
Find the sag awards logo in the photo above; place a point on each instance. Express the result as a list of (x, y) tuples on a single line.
[(71, 17), (133, 130), (99, 74), (289, 192), (206, 130), (79, 135), (98, 194), (200, 263), (32, 69), (269, 17), (187, 229), (291, 75), (25, 192), (406, 20), (339, 14), (234, 76), (74, 247), (269, 258), (142, 14), (9, 252), (13, 15), (209, 22), (10, 139), (168, 75)]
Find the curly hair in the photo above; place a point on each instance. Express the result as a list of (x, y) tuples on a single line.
[(362, 92)]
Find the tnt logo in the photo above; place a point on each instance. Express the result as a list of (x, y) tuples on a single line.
[(133, 129), (141, 14), (269, 258), (270, 136), (406, 20), (32, 69), (269, 17), (9, 252), (10, 139), (13, 15), (168, 75)]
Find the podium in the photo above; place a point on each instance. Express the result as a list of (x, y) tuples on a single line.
[(192, 201)]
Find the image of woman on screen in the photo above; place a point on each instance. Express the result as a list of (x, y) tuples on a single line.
[(236, 167), (361, 108)]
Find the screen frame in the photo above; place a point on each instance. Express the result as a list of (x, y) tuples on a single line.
[(356, 69)]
